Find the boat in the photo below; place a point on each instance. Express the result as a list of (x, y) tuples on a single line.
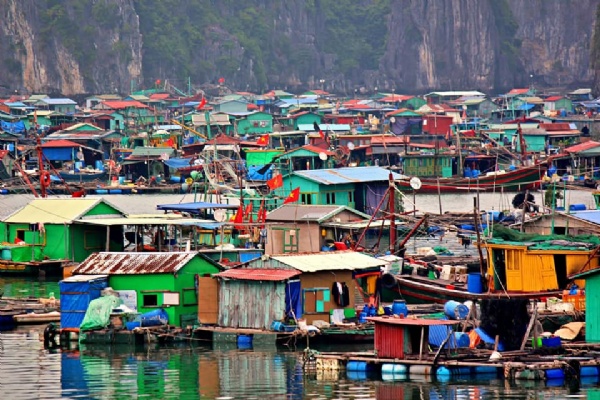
[(519, 179), (517, 265), (82, 175), (37, 317)]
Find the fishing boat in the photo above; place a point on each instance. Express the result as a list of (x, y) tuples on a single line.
[(528, 267), (82, 175), (521, 178)]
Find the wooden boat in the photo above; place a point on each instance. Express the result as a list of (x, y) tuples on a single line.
[(82, 176), (525, 269), (37, 318), (519, 179)]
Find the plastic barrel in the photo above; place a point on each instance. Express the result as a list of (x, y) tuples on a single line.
[(101, 191), (362, 317), (577, 207), (356, 375), (395, 369), (421, 370), (277, 326), (99, 165), (121, 180), (6, 254), (481, 370), (495, 215), (155, 318), (455, 310), (244, 341), (588, 371), (461, 339), (356, 366), (474, 284), (399, 308), (555, 373)]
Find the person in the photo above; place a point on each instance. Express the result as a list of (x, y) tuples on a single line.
[(505, 141)]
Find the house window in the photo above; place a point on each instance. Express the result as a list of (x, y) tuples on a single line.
[(350, 197), (316, 300), (306, 198), (330, 198), (150, 300)]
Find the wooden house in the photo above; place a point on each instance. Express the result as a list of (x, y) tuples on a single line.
[(64, 106), (299, 228), (48, 233), (255, 123), (133, 112), (405, 122), (231, 107), (61, 152), (573, 223), (149, 281), (210, 124), (356, 187), (309, 285), (92, 101), (305, 157), (292, 121), (583, 160), (557, 105), (582, 94), (443, 97)]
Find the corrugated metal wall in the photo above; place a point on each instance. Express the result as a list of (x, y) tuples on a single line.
[(251, 304), (389, 341)]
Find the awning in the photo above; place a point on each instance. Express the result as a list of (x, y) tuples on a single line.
[(195, 207), (525, 107), (200, 223)]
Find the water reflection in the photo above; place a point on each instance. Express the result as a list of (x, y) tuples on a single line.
[(202, 372)]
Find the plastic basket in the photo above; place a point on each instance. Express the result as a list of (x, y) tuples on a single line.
[(578, 301)]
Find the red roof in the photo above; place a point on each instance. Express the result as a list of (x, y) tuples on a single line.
[(316, 149), (159, 96), (412, 321), (391, 140), (60, 143), (582, 147), (518, 91), (222, 139), (258, 274), (120, 104), (394, 98), (560, 126), (553, 98)]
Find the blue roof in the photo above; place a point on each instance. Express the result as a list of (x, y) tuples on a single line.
[(58, 101), (191, 207), (299, 101), (526, 106), (336, 176), (592, 216), (324, 127)]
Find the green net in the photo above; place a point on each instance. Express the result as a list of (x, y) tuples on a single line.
[(511, 235)]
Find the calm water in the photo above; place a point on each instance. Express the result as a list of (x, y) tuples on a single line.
[(27, 371)]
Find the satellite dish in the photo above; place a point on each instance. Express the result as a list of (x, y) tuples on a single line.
[(415, 183), (393, 120), (220, 215), (323, 156), (350, 146)]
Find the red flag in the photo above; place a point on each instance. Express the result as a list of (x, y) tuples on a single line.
[(318, 129), (263, 140), (275, 182), (293, 197), (239, 215), (248, 209), (202, 104)]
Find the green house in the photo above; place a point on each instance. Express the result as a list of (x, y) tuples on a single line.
[(150, 281), (428, 165), (257, 123), (355, 187), (293, 121), (592, 303), (57, 231)]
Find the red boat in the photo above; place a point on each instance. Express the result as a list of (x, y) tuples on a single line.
[(519, 179)]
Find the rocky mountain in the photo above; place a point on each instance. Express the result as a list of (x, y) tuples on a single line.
[(76, 47)]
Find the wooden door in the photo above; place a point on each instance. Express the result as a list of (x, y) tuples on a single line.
[(208, 300)]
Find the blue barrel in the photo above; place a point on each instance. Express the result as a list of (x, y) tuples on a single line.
[(277, 326), (155, 318), (577, 207), (362, 317), (461, 339), (496, 215), (175, 179), (395, 369), (588, 371), (6, 254), (244, 341), (555, 373), (455, 310), (356, 366), (474, 283), (356, 375), (442, 372), (115, 191), (99, 165), (399, 308), (101, 191), (121, 180), (481, 370)]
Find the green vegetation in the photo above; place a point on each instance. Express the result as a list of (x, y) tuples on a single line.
[(595, 53), (507, 28)]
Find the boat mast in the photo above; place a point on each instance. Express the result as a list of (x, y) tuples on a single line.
[(42, 172), (392, 211)]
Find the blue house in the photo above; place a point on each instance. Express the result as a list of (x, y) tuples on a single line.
[(65, 106)]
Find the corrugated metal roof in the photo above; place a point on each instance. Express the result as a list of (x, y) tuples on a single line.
[(134, 263), (582, 146), (54, 211), (329, 261), (60, 143), (592, 216), (304, 212), (258, 274), (335, 176), (201, 223)]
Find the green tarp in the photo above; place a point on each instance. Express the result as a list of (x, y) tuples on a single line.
[(98, 312)]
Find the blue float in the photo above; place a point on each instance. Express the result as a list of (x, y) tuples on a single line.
[(244, 341), (577, 207), (555, 373), (588, 371), (399, 308), (474, 283), (455, 310)]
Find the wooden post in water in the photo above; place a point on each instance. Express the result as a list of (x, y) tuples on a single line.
[(476, 217)]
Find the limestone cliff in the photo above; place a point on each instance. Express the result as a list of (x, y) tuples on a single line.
[(99, 46)]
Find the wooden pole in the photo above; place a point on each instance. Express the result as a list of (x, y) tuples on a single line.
[(525, 202), (476, 217), (530, 326), (439, 194)]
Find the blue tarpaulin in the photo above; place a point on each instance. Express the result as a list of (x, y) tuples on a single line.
[(254, 173), (13, 127), (195, 207), (76, 293), (525, 107), (293, 303), (177, 163)]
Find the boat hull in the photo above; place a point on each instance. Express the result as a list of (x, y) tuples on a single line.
[(517, 180), (79, 177), (417, 292)]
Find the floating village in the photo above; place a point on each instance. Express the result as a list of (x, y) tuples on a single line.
[(299, 232)]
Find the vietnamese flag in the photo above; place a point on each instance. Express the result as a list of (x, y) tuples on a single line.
[(202, 104), (263, 140), (293, 197), (318, 129), (275, 182)]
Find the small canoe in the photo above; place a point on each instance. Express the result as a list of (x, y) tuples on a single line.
[(37, 318)]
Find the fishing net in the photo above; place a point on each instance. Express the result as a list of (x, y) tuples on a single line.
[(511, 235), (507, 318)]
